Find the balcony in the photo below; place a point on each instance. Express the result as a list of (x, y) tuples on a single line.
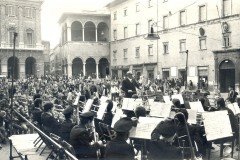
[(22, 46)]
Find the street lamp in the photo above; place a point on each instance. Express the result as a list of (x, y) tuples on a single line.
[(186, 68)]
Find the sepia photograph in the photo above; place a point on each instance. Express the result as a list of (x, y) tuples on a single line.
[(119, 79)]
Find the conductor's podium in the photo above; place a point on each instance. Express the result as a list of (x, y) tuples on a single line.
[(24, 146)]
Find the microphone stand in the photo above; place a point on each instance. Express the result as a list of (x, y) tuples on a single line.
[(12, 91)]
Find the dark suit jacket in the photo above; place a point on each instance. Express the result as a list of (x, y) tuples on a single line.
[(65, 129), (50, 124), (36, 115), (128, 85), (118, 149)]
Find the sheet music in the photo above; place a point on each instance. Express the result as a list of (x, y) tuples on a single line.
[(167, 99), (160, 109), (117, 116), (196, 106), (125, 103), (77, 99), (134, 103), (234, 107), (114, 106), (178, 96), (102, 110), (88, 105), (217, 125), (144, 127), (192, 116), (103, 99)]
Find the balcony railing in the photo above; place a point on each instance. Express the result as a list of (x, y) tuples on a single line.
[(22, 46)]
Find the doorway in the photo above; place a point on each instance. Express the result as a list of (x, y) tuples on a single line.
[(226, 75)]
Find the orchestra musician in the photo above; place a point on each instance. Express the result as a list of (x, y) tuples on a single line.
[(37, 111), (49, 123), (81, 138), (129, 85), (162, 138), (67, 124), (118, 148)]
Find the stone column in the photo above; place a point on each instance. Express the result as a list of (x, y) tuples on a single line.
[(69, 35), (38, 28), (69, 67), (216, 83), (97, 70), (22, 70), (83, 34), (84, 69), (21, 29), (96, 36), (237, 76), (2, 29), (4, 67)]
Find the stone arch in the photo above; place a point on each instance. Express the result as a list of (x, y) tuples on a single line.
[(102, 32), (226, 74), (103, 67), (30, 67), (13, 66), (89, 31), (91, 67), (77, 67), (76, 31)]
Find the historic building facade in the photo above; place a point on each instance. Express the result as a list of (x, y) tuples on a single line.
[(22, 17), (200, 35), (84, 46)]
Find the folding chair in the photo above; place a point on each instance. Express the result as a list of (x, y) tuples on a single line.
[(58, 140), (105, 131), (69, 148)]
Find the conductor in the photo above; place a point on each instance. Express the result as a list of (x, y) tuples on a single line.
[(129, 85)]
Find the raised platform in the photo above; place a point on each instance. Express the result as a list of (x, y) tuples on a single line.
[(24, 147)]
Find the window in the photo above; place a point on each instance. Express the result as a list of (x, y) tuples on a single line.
[(29, 38), (165, 22), (11, 34), (150, 50), (28, 12), (11, 10), (115, 16), (202, 43), (115, 54), (137, 29), (226, 40), (182, 18), (149, 25), (115, 34), (226, 7), (202, 13), (137, 7), (182, 45), (125, 12), (165, 47), (137, 51), (125, 53), (149, 3), (125, 32)]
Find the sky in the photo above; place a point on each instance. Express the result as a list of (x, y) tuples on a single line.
[(52, 10)]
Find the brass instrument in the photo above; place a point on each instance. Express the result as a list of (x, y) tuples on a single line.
[(193, 154)]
